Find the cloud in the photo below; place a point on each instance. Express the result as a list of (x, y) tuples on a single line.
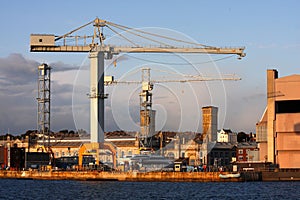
[(18, 92), (61, 67), (16, 70)]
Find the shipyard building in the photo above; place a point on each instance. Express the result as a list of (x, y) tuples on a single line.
[(278, 132)]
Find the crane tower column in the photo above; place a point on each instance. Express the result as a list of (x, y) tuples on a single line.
[(97, 96), (43, 99), (147, 115)]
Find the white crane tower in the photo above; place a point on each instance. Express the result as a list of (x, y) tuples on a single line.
[(100, 51)]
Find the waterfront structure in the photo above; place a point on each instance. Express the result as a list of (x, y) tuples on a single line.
[(226, 135), (247, 151), (278, 132), (126, 145)]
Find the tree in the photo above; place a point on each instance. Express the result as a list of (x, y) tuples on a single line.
[(242, 137)]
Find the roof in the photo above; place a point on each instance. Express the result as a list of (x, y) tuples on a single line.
[(225, 130), (209, 107), (180, 160), (243, 145), (223, 145), (118, 134), (124, 143), (66, 144)]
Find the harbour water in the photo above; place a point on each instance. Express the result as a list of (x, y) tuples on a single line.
[(62, 189)]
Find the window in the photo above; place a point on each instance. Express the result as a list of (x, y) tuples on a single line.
[(241, 151), (241, 158), (289, 106), (192, 162), (182, 154)]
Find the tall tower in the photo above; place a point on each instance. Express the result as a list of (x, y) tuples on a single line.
[(43, 99), (147, 115), (272, 74), (210, 122)]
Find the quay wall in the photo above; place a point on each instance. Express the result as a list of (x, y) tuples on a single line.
[(281, 176), (119, 176)]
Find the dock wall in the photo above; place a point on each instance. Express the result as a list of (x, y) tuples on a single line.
[(119, 176), (281, 176)]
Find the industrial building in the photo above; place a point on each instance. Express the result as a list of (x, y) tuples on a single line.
[(278, 132)]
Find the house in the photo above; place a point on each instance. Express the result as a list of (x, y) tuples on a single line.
[(247, 151), (221, 155), (226, 135)]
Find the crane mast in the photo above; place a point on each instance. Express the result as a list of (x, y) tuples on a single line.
[(100, 51), (147, 115)]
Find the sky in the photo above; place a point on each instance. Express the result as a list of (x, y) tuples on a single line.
[(269, 30)]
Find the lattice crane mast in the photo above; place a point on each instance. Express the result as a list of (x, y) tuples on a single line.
[(98, 51)]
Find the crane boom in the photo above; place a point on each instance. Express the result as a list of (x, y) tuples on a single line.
[(116, 50), (173, 81), (49, 43)]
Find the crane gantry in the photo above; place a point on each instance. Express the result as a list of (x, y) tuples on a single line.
[(100, 51)]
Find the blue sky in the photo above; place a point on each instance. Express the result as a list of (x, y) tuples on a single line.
[(270, 31)]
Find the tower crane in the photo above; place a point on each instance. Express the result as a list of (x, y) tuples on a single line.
[(94, 44), (147, 115)]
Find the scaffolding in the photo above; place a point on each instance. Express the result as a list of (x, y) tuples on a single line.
[(43, 100)]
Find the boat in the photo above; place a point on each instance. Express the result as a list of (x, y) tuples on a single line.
[(230, 175)]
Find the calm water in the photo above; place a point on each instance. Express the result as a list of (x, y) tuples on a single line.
[(39, 189)]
